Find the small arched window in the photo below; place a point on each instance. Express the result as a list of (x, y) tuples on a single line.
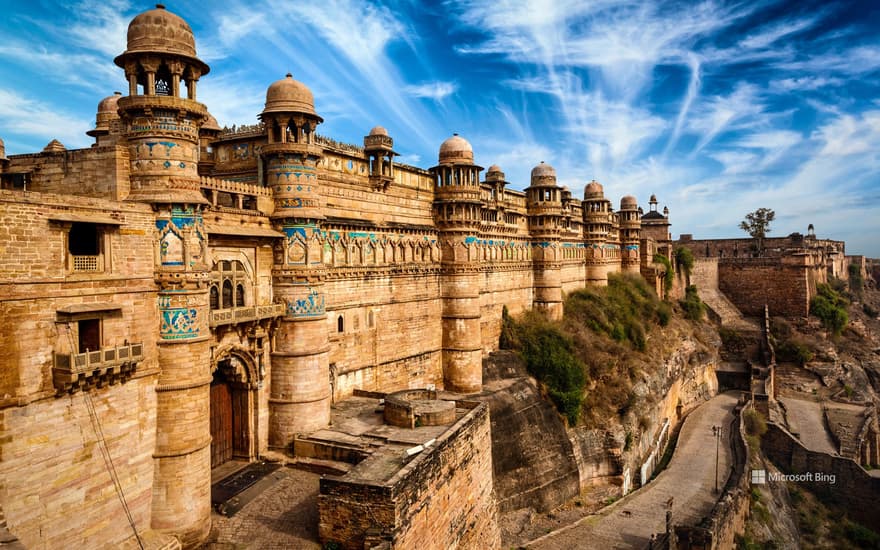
[(239, 295), (340, 324), (227, 294), (215, 297)]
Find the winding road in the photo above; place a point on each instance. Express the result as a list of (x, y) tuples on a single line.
[(689, 479)]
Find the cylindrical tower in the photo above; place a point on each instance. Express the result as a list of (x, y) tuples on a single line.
[(630, 233), (544, 206), (161, 127), (299, 400), (596, 213), (457, 215)]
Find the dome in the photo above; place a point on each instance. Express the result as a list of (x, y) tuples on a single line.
[(290, 96), (378, 131), (107, 113), (494, 169), (543, 170), (653, 199), (594, 190), (54, 146), (629, 203), (210, 124), (543, 175), (160, 31), (455, 149)]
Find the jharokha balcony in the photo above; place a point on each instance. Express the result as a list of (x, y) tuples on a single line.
[(74, 371), (235, 315)]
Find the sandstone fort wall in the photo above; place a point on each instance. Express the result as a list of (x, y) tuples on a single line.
[(443, 498), (95, 172)]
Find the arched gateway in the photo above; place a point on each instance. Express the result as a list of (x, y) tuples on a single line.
[(234, 403)]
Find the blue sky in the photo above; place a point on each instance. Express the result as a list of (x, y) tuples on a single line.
[(717, 107)]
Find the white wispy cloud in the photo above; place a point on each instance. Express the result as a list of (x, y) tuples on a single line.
[(35, 119), (431, 90)]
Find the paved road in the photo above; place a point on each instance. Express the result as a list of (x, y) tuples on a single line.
[(805, 418), (284, 517), (690, 479)]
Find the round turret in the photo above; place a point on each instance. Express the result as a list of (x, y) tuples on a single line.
[(3, 151), (160, 31), (456, 149), (290, 96)]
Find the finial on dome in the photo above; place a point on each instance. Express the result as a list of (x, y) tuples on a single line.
[(160, 6)]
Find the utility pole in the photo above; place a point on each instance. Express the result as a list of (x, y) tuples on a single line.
[(716, 432)]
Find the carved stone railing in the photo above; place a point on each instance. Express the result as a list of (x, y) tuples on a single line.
[(237, 187), (234, 315), (73, 371)]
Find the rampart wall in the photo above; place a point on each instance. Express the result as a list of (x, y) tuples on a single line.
[(443, 498), (853, 488), (94, 172)]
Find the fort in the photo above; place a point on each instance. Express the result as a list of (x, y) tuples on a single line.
[(180, 294)]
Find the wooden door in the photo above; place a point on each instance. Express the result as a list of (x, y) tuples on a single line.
[(221, 423)]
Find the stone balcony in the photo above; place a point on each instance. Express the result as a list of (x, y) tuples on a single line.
[(74, 371), (235, 315)]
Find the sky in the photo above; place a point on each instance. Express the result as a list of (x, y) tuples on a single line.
[(719, 108)]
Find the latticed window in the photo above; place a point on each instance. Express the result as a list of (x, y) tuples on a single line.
[(84, 247), (230, 282)]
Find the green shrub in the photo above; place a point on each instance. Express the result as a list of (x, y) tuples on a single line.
[(794, 351), (621, 310), (830, 307), (668, 273), (755, 423), (693, 307), (684, 260), (548, 354)]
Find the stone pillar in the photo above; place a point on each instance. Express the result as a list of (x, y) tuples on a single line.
[(182, 476)]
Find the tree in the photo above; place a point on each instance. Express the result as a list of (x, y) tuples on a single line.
[(757, 224)]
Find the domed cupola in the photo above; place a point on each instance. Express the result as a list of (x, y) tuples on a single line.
[(378, 147), (456, 149), (158, 31), (106, 120), (544, 199), (290, 96)]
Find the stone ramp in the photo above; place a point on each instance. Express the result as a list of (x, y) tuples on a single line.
[(725, 310), (805, 420)]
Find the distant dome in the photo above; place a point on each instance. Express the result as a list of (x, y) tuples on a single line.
[(629, 202), (594, 190), (378, 131), (289, 95), (211, 124), (455, 149), (54, 146), (653, 199), (107, 113), (160, 31), (493, 169)]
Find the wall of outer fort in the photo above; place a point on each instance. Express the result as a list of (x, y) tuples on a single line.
[(94, 172), (752, 282), (444, 495), (55, 488)]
